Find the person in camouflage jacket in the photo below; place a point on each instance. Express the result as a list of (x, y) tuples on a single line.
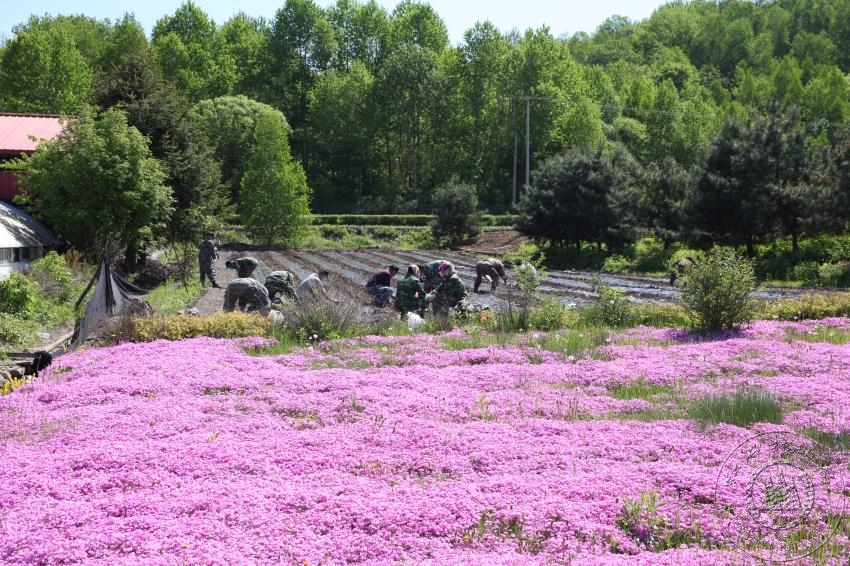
[(244, 266), (430, 273), (280, 282), (409, 294), (249, 294), (207, 253), (451, 293)]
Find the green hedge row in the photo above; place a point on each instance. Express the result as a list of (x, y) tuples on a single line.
[(506, 220)]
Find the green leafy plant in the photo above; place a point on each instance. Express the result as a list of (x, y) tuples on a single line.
[(717, 291), (610, 307), (18, 294), (53, 275)]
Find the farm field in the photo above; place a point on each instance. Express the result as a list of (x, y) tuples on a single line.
[(352, 268), (421, 450)]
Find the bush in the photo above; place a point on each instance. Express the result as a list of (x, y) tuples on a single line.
[(523, 293), (456, 214), (717, 291), (616, 264), (52, 275), (806, 271), (610, 307), (13, 330), (333, 231), (311, 321), (834, 274), (178, 327), (18, 294), (552, 315)]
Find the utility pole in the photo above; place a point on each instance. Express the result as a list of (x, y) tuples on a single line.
[(527, 140), (516, 149)]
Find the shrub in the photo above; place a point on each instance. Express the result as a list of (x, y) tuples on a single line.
[(312, 321), (13, 330), (456, 214), (524, 291), (333, 231), (806, 271), (18, 294), (744, 408), (52, 275), (616, 264), (717, 291), (177, 327), (552, 315), (610, 306), (834, 274)]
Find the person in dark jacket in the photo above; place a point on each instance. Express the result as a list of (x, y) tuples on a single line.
[(380, 285), (207, 253), (244, 266), (249, 294), (490, 268), (430, 273)]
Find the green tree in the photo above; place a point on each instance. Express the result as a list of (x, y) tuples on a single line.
[(301, 46), (343, 153), (191, 53), (245, 40), (164, 116), (418, 24), (788, 82), (42, 71), (362, 33), (456, 214), (98, 185), (661, 204), (275, 197), (406, 90), (755, 180), (228, 122), (582, 196), (827, 96)]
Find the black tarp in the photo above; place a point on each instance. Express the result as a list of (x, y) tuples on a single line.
[(112, 294)]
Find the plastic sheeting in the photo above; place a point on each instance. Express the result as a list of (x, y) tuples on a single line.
[(112, 294)]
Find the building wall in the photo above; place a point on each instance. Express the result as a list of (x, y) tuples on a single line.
[(18, 259), (8, 185)]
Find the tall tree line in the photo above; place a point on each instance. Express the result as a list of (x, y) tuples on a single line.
[(383, 109)]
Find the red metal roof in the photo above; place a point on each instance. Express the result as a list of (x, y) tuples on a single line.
[(16, 129)]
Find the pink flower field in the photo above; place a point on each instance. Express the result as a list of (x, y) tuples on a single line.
[(400, 451)]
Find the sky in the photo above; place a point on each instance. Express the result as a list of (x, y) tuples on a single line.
[(564, 17)]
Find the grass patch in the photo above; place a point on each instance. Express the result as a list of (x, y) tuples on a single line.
[(173, 296), (640, 389), (834, 442), (743, 408), (826, 334), (569, 342)]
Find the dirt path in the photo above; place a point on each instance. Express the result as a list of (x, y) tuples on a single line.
[(351, 268)]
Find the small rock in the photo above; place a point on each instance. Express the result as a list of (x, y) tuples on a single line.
[(43, 335)]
